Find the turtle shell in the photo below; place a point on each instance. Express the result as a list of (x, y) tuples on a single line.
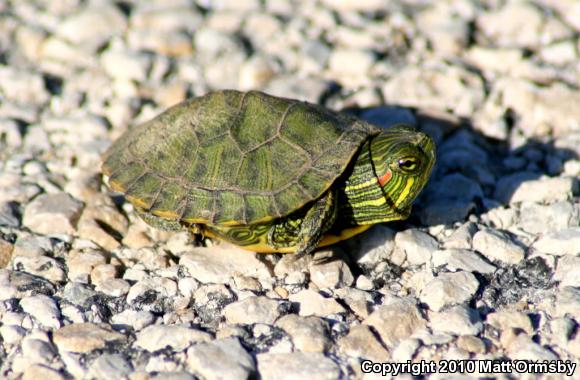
[(233, 158)]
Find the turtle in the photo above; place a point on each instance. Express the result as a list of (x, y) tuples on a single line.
[(266, 173)]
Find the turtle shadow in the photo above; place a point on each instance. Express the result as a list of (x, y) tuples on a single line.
[(474, 173)]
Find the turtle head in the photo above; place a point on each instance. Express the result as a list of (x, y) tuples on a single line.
[(402, 159)]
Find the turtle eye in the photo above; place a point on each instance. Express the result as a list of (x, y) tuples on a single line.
[(408, 164)]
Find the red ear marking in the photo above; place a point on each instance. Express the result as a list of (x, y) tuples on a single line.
[(385, 178)]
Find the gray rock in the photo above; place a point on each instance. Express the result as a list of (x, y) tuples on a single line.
[(209, 301), (309, 334), (407, 315), (254, 309), (85, 337), (545, 190), (449, 289), (496, 245), (360, 342), (457, 320), (357, 300), (536, 218), (110, 366), (107, 20), (43, 308), (222, 358), (567, 302), (505, 320), (177, 338), (45, 267), (12, 334), (297, 365), (507, 185), (461, 238), (462, 259), (39, 371), (152, 294), (567, 271), (311, 302), (523, 347), (406, 349), (22, 86), (9, 214), (441, 87), (417, 245), (219, 264), (333, 273), (559, 243), (53, 214), (471, 343), (374, 246), (350, 65), (115, 287), (137, 319), (81, 263)]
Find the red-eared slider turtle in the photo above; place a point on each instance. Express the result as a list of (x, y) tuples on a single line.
[(268, 174)]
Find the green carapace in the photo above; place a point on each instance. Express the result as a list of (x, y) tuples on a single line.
[(268, 174)]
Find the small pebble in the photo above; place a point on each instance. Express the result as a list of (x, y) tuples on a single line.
[(449, 289)]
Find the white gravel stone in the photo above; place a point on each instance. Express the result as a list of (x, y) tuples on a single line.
[(332, 274), (457, 320), (352, 5), (178, 338), (53, 214), (43, 308), (110, 366), (45, 267), (297, 365), (407, 315), (137, 319), (85, 337), (309, 334), (105, 19), (38, 350), (360, 342), (311, 302), (164, 288), (441, 88), (567, 271), (349, 65), (545, 190), (254, 309), (449, 289), (221, 358), (462, 259), (536, 218), (417, 245), (498, 246), (406, 350), (508, 319), (123, 65), (560, 243), (11, 334), (22, 86), (218, 264), (568, 302)]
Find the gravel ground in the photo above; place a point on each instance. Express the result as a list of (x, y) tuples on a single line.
[(487, 267)]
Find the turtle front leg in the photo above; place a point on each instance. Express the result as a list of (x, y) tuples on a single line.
[(309, 231)]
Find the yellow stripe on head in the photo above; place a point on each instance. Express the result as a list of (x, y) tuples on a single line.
[(405, 193)]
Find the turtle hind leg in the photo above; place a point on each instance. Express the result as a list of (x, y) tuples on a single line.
[(316, 222)]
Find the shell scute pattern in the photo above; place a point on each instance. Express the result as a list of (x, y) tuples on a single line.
[(233, 158)]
